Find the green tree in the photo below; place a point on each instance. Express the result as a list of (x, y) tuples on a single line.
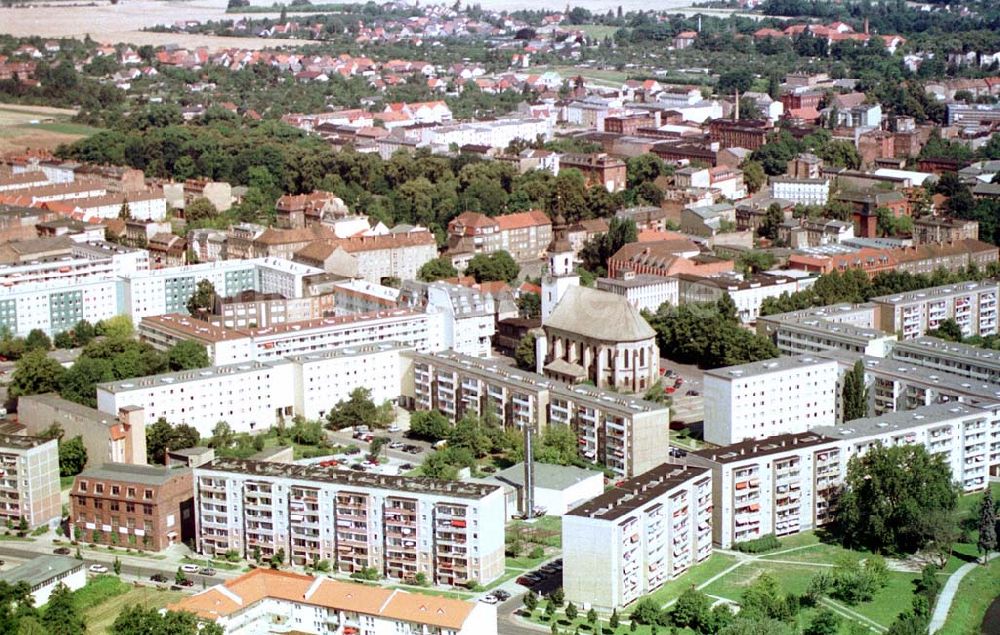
[(61, 614), (117, 566), (35, 373), (37, 340), (202, 301), (72, 456), (727, 310), (179, 576), (187, 355), (734, 80), (895, 499), (79, 383), (429, 425), (359, 409), (763, 599), (200, 209), (135, 619), (692, 610), (753, 175), (524, 354), (643, 168), (614, 620), (646, 611), (117, 327), (498, 266), (597, 250), (854, 394), (29, 625), (773, 218), (161, 435), (437, 269), (987, 541), (571, 612), (947, 329), (530, 305), (748, 625), (83, 333), (592, 616), (530, 601)]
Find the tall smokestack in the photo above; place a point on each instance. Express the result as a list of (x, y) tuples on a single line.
[(529, 474), (736, 100), (866, 26)]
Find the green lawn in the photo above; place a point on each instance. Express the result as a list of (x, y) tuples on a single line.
[(597, 31), (976, 592), (794, 578), (216, 564), (99, 590), (100, 617), (66, 482), (716, 563), (65, 128), (461, 595)]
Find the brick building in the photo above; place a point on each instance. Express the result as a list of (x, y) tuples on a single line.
[(597, 169), (744, 133), (133, 505), (628, 124)]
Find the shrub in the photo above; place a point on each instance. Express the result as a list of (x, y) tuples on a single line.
[(763, 544)]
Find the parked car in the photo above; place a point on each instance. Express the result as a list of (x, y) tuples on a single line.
[(97, 568), (207, 571), (394, 428), (489, 599), (61, 551), (190, 568), (158, 577), (501, 595), (406, 466), (524, 581), (187, 582), (395, 445), (329, 463)]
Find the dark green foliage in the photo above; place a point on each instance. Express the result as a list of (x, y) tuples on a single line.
[(524, 355), (138, 620), (35, 373), (61, 615), (763, 544), (437, 269), (597, 250), (72, 456), (161, 435), (498, 266), (948, 329), (187, 355), (429, 425), (987, 541), (698, 334), (854, 393), (202, 301), (692, 610), (894, 499), (359, 409)]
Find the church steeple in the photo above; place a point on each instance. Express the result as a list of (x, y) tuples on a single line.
[(562, 268)]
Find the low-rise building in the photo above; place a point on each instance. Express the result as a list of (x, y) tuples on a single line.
[(43, 574), (787, 395), (597, 169), (624, 433), (262, 598), (937, 229), (29, 480), (635, 537), (973, 305), (803, 191), (557, 488), (146, 506), (748, 293), (451, 532), (108, 437), (644, 292)]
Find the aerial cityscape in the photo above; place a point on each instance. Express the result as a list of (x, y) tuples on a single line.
[(417, 318)]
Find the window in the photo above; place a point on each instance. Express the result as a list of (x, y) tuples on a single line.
[(147, 510), (99, 488), (83, 486), (130, 492), (148, 494), (114, 506), (130, 507), (116, 490)]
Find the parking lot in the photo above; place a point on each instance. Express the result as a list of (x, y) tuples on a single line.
[(400, 456)]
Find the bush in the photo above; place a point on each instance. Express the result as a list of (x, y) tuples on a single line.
[(763, 544), (647, 611), (367, 573), (536, 552)]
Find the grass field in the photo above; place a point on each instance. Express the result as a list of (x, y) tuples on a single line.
[(99, 617), (597, 75), (597, 31), (38, 127), (975, 594), (716, 564)]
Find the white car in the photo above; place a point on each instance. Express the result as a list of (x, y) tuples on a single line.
[(190, 568), (489, 599), (97, 568), (394, 428)]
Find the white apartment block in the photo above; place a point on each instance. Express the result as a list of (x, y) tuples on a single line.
[(968, 437), (747, 293), (839, 327), (161, 291), (29, 480), (468, 317), (644, 292), (787, 395), (417, 329), (87, 262), (973, 305), (257, 601), (780, 485), (635, 537), (452, 532), (626, 434), (253, 396), (57, 306), (494, 134), (801, 191), (972, 362)]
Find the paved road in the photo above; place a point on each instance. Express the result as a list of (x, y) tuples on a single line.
[(944, 601)]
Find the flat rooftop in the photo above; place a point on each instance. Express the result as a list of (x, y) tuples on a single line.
[(953, 350), (495, 371), (19, 442), (923, 295), (641, 280), (56, 402), (638, 491), (40, 570), (756, 448), (834, 312), (901, 420), (547, 475), (733, 283), (349, 478), (129, 473), (767, 367), (180, 377), (829, 328), (348, 351)]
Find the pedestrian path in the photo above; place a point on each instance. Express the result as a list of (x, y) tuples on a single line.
[(947, 595)]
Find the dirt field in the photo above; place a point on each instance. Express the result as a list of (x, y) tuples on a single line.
[(24, 127), (123, 23)]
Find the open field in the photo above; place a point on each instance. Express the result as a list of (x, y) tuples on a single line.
[(100, 617), (38, 127)]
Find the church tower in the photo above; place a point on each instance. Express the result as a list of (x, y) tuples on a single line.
[(561, 273)]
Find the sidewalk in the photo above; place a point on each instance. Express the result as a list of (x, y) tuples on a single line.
[(947, 596)]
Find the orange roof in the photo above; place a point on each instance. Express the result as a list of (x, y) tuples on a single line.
[(652, 236), (260, 584), (521, 220)]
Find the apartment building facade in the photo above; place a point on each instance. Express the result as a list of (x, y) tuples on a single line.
[(644, 292), (747, 292), (147, 506), (626, 434), (632, 539), (451, 532), (524, 235), (787, 395), (838, 327), (973, 305), (973, 362), (780, 485), (29, 480), (57, 306)]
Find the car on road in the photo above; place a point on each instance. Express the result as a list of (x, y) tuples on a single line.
[(394, 428), (158, 577), (207, 571), (61, 551), (524, 581), (187, 582), (489, 599), (692, 393), (190, 568), (405, 466), (329, 463), (412, 449), (97, 568), (395, 445), (501, 595)]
